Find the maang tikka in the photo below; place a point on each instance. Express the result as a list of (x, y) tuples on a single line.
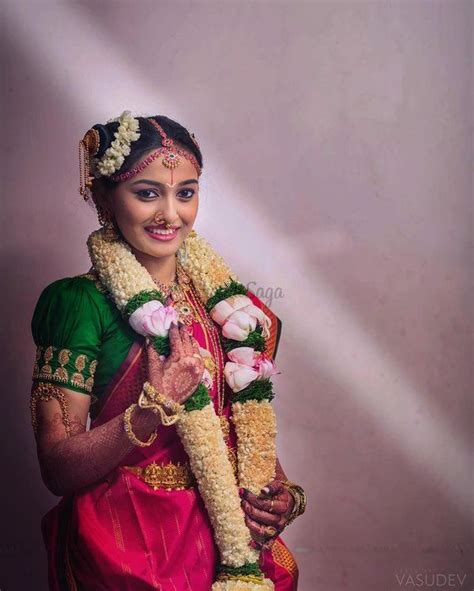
[(170, 152)]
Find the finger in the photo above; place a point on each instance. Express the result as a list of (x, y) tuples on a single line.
[(257, 530), (195, 344), (272, 488), (186, 340), (269, 543), (176, 344), (260, 516), (155, 364), (277, 506)]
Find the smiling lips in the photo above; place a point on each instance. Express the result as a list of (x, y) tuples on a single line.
[(160, 233)]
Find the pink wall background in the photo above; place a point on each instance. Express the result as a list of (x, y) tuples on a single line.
[(337, 139)]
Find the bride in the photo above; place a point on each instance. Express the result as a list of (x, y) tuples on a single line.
[(176, 484)]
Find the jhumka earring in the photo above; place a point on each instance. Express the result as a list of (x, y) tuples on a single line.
[(107, 222)]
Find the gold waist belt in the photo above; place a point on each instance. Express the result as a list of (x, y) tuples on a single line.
[(170, 476)]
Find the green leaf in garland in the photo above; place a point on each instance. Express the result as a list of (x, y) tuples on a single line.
[(198, 399), (162, 345), (142, 298), (255, 340), (256, 390), (225, 291), (250, 568)]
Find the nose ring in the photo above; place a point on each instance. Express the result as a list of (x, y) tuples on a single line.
[(160, 219)]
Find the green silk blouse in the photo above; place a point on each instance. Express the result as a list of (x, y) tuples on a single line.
[(81, 338)]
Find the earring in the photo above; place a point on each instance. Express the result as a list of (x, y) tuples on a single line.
[(110, 231), (107, 222)]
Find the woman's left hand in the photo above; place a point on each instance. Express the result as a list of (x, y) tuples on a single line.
[(266, 514)]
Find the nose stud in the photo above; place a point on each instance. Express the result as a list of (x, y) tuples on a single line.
[(160, 219)]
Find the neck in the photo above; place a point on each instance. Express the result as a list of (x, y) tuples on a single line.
[(162, 269)]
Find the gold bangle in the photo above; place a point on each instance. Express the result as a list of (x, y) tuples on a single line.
[(150, 398), (299, 497), (129, 430)]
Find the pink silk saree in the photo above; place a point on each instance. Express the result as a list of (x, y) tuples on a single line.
[(120, 534)]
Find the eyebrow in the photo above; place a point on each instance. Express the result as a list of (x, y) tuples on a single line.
[(158, 184)]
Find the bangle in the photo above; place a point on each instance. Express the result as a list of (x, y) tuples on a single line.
[(150, 398), (128, 429), (299, 497)]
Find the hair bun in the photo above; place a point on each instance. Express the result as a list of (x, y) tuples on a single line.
[(105, 136)]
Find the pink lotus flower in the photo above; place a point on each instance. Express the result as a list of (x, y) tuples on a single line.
[(238, 316), (247, 365), (153, 319)]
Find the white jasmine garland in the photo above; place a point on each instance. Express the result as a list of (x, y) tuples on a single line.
[(114, 156), (201, 435), (199, 429)]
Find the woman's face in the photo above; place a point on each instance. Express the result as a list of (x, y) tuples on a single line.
[(137, 201)]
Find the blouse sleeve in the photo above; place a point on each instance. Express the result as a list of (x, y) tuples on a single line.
[(67, 330)]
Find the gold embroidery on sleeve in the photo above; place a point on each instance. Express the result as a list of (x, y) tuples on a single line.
[(77, 377), (89, 383), (36, 369), (61, 373), (47, 371)]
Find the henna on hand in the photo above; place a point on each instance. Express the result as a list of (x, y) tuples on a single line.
[(181, 372), (69, 463), (261, 512)]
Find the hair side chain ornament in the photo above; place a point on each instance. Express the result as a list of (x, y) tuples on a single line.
[(88, 147)]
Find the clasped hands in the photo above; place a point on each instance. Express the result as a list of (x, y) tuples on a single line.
[(266, 514)]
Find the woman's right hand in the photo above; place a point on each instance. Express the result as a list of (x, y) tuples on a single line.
[(178, 375)]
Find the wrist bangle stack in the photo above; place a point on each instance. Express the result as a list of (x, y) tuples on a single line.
[(129, 430), (159, 403), (299, 497)]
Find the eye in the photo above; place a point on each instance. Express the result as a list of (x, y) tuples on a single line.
[(187, 197), (143, 194)]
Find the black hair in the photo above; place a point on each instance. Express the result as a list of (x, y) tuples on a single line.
[(149, 139)]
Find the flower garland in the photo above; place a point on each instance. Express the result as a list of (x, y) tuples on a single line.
[(247, 371)]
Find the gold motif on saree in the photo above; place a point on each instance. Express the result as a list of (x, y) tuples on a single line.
[(169, 476), (283, 557)]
